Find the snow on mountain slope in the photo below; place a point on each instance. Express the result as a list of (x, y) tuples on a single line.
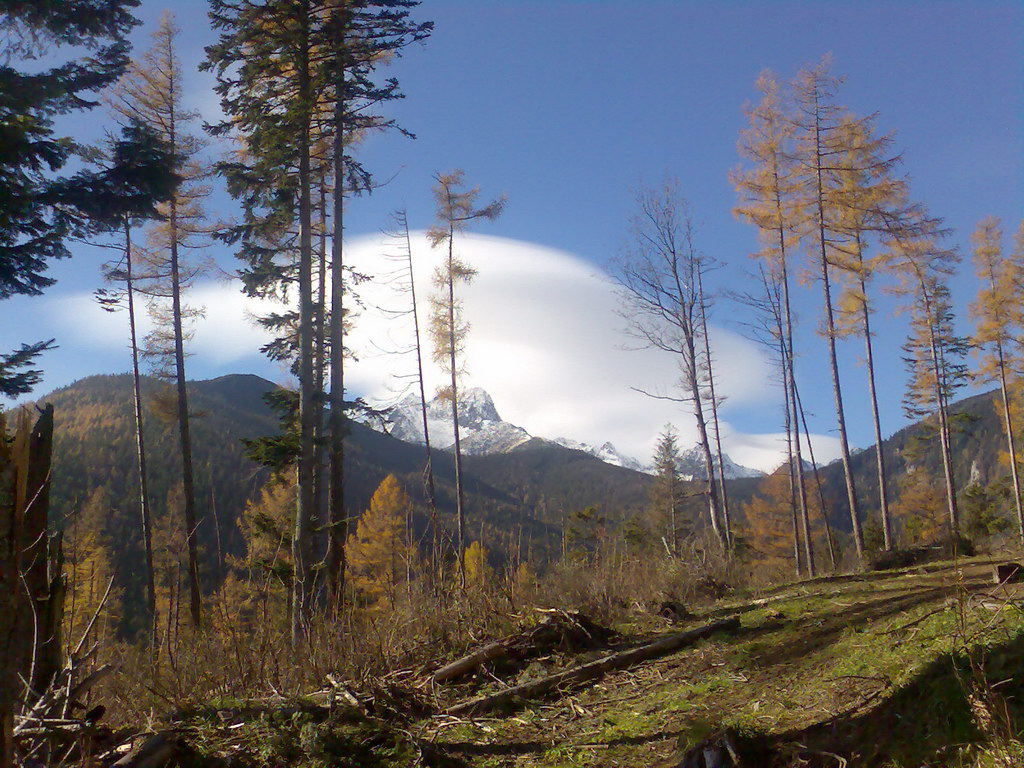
[(482, 431), (693, 467), (606, 453)]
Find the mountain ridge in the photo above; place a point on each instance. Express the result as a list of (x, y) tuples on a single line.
[(484, 432)]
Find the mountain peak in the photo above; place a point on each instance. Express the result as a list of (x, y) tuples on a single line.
[(475, 404), (481, 429)]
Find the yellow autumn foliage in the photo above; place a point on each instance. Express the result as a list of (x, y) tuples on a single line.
[(474, 562), (379, 550)]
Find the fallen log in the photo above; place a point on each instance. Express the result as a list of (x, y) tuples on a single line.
[(593, 670), (467, 664), (560, 629)]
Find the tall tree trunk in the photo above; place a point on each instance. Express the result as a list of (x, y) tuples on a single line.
[(184, 431), (726, 523), (789, 373), (302, 542), (883, 495), (830, 330), (320, 491), (693, 383), (1010, 443), (940, 399), (428, 467), (798, 403), (140, 444), (790, 376), (459, 498), (337, 524), (791, 459)]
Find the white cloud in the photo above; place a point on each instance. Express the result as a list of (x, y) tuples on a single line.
[(546, 341)]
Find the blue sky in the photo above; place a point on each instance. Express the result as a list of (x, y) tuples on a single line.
[(565, 107)]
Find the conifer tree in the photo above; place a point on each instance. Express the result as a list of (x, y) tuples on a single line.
[(667, 490), (659, 285), (866, 188), (766, 191), (152, 93), (379, 550), (766, 538), (456, 208), (141, 170), (998, 317), (933, 352), (268, 87), (293, 74), (820, 134), (934, 359), (40, 208), (360, 34)]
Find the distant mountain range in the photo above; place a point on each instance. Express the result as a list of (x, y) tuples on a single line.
[(483, 432)]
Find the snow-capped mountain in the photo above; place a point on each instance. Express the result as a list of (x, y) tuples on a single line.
[(606, 453), (482, 431), (692, 466)]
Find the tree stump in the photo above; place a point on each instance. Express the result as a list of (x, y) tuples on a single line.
[(1007, 573)]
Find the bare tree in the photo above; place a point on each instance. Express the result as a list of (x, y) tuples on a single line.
[(660, 284)]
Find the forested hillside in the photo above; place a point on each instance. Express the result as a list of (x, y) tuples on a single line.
[(523, 496)]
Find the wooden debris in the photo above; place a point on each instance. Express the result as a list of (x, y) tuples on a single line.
[(593, 670), (467, 664), (560, 630)]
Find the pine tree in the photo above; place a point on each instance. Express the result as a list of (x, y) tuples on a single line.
[(141, 170), (379, 550), (666, 494), (998, 317), (820, 134), (40, 208), (866, 189), (660, 287), (934, 359), (766, 192), (456, 208), (151, 92), (295, 75)]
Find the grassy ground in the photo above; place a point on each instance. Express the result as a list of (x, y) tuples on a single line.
[(871, 668), (913, 668)]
